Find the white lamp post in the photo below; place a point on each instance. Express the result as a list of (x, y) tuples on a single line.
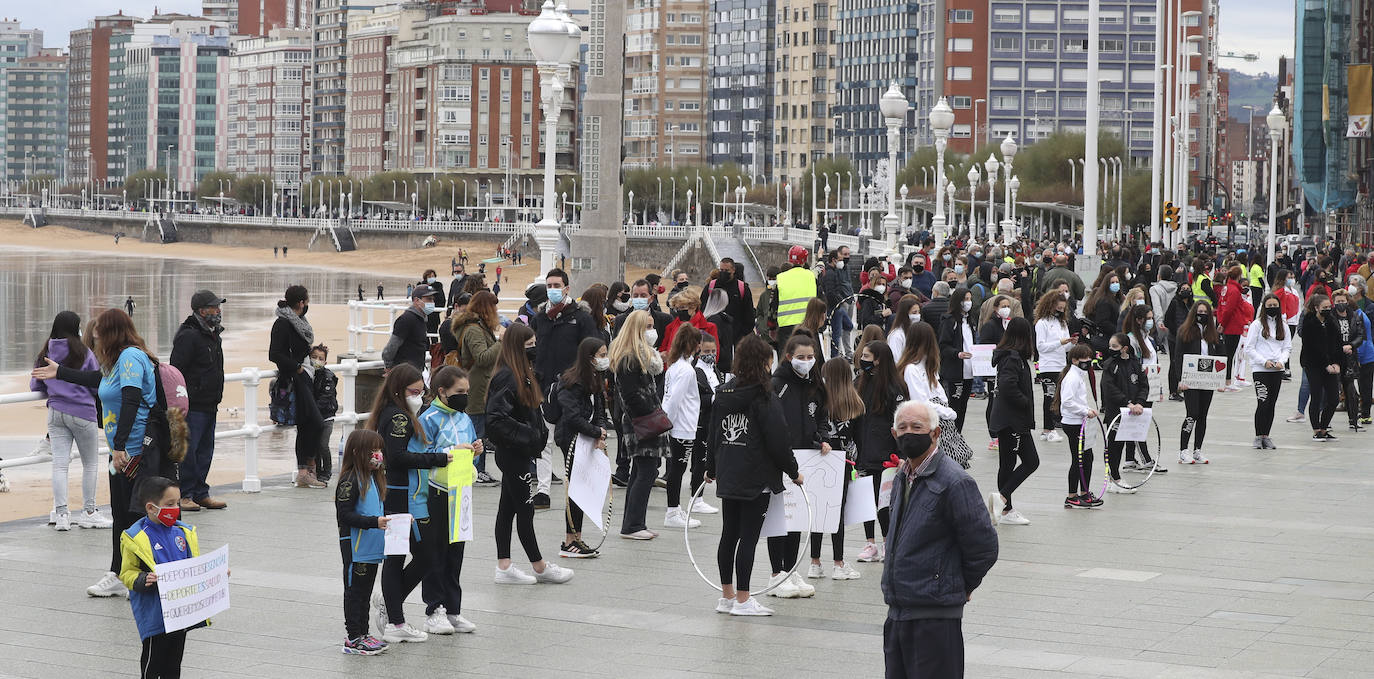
[(691, 217), (991, 166), (893, 106), (550, 39), (1012, 186), (1009, 149), (1276, 122), (953, 218), (903, 220), (973, 177), (941, 121)]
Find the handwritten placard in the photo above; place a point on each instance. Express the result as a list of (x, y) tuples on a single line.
[(192, 590)]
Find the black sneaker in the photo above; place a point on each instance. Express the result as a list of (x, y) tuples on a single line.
[(541, 500), (1318, 436), (1355, 426), (577, 549), (1077, 502), (619, 482), (1329, 437), (1175, 397), (1092, 500)]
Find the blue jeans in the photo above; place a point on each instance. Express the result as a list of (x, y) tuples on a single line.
[(200, 451), (1304, 393), (840, 326), (479, 427)]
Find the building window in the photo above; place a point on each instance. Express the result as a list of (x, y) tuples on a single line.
[(961, 102), (1075, 16), (961, 44), (1006, 44), (1006, 73), (1006, 102), (1040, 45), (959, 73), (961, 16), (1075, 45), (1110, 45), (962, 131), (1041, 16), (1143, 18), (1006, 16)]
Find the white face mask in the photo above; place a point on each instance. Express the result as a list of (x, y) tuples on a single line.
[(880, 289), (914, 318), (966, 305), (1004, 312), (1352, 290), (839, 264), (651, 336), (772, 283), (414, 402), (619, 305), (906, 283), (803, 365), (601, 363)]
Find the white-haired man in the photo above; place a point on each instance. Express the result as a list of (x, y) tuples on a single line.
[(940, 545)]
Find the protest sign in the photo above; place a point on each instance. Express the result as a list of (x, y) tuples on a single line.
[(192, 590)]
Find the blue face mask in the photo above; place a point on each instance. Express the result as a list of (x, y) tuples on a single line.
[(555, 296), (430, 308), (1114, 287), (639, 303)]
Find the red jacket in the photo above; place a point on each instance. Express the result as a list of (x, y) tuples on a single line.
[(1288, 302), (890, 273), (698, 321), (1233, 311)]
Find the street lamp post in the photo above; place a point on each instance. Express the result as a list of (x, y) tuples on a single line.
[(953, 218), (941, 121), (1009, 149), (991, 166), (1012, 185), (893, 106), (1073, 174), (1276, 122), (902, 223), (554, 41), (973, 177)]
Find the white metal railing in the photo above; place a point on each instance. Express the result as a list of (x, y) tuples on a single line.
[(364, 326), (251, 430)]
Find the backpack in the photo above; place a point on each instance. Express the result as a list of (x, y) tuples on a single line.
[(281, 408), (552, 409), (171, 407), (712, 286)]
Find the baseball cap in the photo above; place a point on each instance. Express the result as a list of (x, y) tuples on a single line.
[(205, 298), (422, 291)]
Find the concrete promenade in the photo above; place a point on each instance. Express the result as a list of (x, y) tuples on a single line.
[(1257, 565)]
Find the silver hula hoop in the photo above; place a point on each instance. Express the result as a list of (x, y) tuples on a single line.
[(686, 539)]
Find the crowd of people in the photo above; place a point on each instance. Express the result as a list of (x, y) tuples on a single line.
[(706, 382)]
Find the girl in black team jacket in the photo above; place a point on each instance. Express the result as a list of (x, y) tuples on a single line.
[(747, 453), (395, 416), (517, 430), (882, 389), (582, 410), (1013, 412), (1198, 335), (1322, 360), (957, 335), (797, 382), (1124, 385)]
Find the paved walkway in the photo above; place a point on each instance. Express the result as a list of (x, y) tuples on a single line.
[(1256, 565)]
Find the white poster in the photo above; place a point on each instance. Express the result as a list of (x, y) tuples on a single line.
[(590, 479), (859, 503), (398, 534), (823, 483), (1133, 427), (1204, 372), (192, 590), (1154, 383), (885, 487), (982, 360)]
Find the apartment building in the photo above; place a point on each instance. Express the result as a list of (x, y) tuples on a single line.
[(804, 81), (88, 96), (35, 104), (879, 42), (268, 104), (743, 53), (665, 82), (369, 132), (224, 11), (327, 109), (16, 44), (259, 17)]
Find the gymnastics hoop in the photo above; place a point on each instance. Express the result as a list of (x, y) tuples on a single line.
[(686, 535), (1159, 442)]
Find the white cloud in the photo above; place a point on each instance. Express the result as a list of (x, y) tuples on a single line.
[(1263, 27)]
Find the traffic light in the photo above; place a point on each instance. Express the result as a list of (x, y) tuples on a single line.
[(1170, 215)]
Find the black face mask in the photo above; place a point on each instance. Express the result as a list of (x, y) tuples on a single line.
[(1272, 311), (1342, 307), (530, 353), (458, 402), (912, 445), (866, 366), (683, 315), (1202, 318), (304, 310), (918, 269)]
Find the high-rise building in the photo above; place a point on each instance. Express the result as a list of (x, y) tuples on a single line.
[(878, 42), (665, 82), (268, 104), (226, 11), (35, 104), (170, 81), (804, 80), (16, 44), (327, 109), (88, 99), (371, 116), (259, 17), (742, 54)]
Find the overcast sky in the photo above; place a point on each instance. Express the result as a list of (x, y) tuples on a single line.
[(1261, 26)]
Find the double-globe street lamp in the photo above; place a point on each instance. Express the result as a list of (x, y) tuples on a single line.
[(1276, 122), (941, 122), (554, 39), (893, 106), (1009, 149)]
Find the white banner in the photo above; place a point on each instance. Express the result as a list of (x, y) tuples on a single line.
[(1204, 372), (590, 479), (398, 534), (982, 360), (859, 503), (192, 590), (1134, 427), (823, 483)]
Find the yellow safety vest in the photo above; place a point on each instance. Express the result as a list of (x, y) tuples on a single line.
[(796, 287), (1198, 294), (1256, 276)]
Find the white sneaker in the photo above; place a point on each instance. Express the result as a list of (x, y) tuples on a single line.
[(699, 506), (1014, 518), (1199, 458), (1114, 487), (1129, 465), (844, 572), (554, 573), (63, 522), (786, 589), (1185, 457), (677, 518), (1054, 435), (750, 607), (52, 518), (108, 586), (869, 553), (882, 551), (438, 622), (806, 590), (379, 618), (4, 483), (403, 632), (995, 504), (724, 605), (639, 535), (1044, 436), (1297, 417), (43, 449), (814, 571), (461, 625), (93, 519), (514, 576)]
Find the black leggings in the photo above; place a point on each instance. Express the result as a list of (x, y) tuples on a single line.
[(399, 578), (440, 586), (1326, 397), (516, 506), (958, 392), (161, 657), (121, 493), (1352, 399), (989, 389), (572, 518), (836, 538), (683, 451), (1366, 384), (1139, 449), (1049, 383), (1229, 344), (741, 521), (1267, 384), (1196, 404), (783, 551), (359, 579), (1080, 466), (1011, 446), (309, 422), (883, 513)]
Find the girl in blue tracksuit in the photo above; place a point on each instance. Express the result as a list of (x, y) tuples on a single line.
[(1365, 354), (445, 426), (158, 537), (358, 510)]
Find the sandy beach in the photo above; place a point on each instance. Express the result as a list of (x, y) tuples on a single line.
[(243, 346)]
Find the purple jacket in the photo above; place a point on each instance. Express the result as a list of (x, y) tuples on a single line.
[(65, 397)]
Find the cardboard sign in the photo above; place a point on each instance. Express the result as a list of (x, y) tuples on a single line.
[(1204, 372), (461, 474), (193, 589), (590, 479), (398, 534), (982, 360)]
